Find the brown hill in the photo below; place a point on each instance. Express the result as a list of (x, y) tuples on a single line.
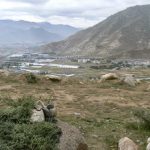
[(123, 35)]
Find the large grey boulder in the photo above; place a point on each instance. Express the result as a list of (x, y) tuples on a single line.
[(130, 80), (127, 144), (71, 138), (37, 116)]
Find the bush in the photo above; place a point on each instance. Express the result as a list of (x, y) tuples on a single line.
[(16, 131), (17, 112), (31, 78)]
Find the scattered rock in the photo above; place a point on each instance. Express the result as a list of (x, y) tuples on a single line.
[(130, 80), (77, 114), (81, 83), (71, 138), (138, 81), (4, 72), (148, 89), (54, 78), (127, 144), (95, 136), (37, 116), (148, 144), (109, 76)]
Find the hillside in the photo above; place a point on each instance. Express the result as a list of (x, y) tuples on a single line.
[(30, 33), (123, 35)]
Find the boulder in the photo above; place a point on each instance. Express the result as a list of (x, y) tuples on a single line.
[(53, 78), (130, 80), (71, 138), (109, 76), (49, 111), (148, 144), (127, 144), (37, 116)]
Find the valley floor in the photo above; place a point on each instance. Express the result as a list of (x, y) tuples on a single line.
[(102, 111)]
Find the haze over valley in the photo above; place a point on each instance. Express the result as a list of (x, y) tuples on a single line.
[(21, 36)]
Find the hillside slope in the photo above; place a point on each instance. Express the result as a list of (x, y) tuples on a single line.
[(123, 35)]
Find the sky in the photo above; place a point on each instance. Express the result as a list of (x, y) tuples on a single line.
[(77, 13)]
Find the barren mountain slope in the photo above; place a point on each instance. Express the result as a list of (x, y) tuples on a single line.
[(124, 35)]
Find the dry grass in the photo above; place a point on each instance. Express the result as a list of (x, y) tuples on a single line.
[(105, 109)]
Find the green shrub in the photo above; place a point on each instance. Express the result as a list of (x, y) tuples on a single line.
[(17, 112), (16, 131), (144, 117), (31, 78)]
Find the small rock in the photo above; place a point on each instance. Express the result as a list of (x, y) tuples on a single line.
[(81, 83), (4, 72), (95, 136), (53, 78), (127, 144), (148, 144), (77, 114), (109, 76)]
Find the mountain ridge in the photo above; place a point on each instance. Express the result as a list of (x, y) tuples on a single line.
[(125, 34), (25, 32)]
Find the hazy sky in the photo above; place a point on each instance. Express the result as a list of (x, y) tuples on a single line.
[(79, 13)]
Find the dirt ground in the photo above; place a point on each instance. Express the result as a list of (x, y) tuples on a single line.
[(102, 111)]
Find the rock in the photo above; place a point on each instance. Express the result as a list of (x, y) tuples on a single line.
[(81, 83), (148, 144), (130, 80), (148, 88), (37, 116), (77, 114), (54, 78), (71, 138), (95, 136), (138, 81), (127, 144), (109, 76), (4, 72)]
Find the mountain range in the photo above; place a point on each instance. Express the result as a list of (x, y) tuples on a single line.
[(31, 33), (125, 34)]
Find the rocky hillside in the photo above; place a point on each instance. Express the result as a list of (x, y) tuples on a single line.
[(122, 35)]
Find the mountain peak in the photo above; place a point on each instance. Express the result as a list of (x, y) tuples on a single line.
[(24, 32), (125, 35)]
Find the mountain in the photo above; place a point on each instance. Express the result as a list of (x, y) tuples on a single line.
[(122, 35), (30, 33)]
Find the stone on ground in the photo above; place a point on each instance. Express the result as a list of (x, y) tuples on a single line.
[(130, 80), (71, 138), (148, 144), (127, 144), (53, 78), (109, 76), (37, 116)]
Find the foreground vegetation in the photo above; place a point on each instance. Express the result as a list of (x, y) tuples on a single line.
[(16, 131)]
